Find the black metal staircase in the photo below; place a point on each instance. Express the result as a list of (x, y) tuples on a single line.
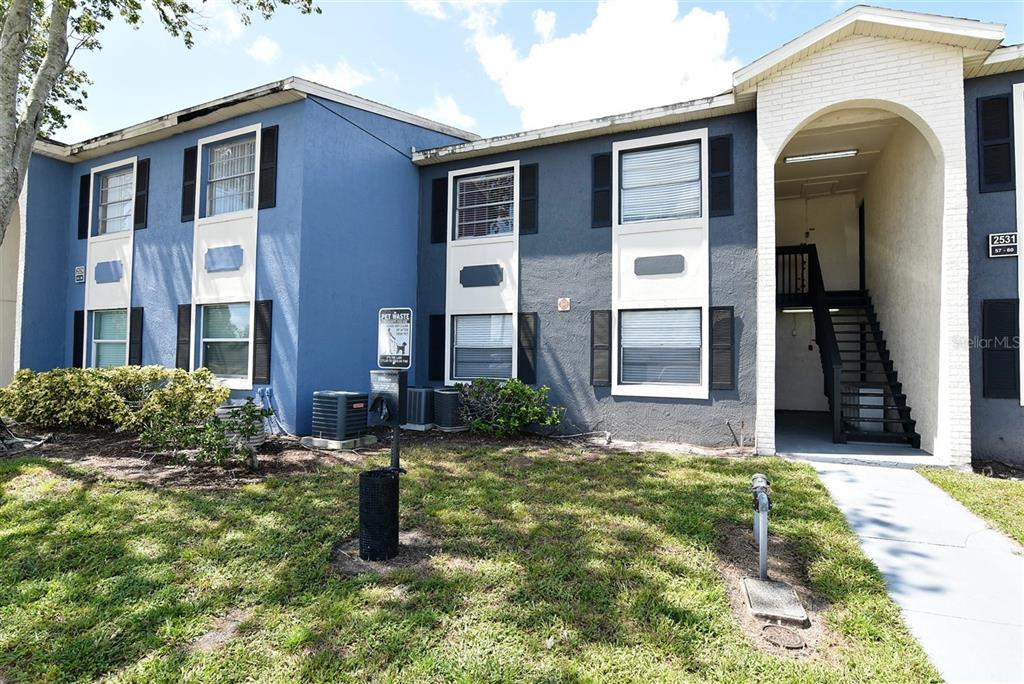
[(865, 396)]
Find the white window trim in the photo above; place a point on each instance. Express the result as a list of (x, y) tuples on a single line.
[(200, 203), (197, 344), (688, 300), (468, 243), (91, 239), (1018, 144), (96, 343)]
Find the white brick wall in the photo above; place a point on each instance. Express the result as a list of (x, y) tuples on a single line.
[(924, 84)]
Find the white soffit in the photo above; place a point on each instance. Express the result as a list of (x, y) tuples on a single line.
[(1001, 61), (974, 37)]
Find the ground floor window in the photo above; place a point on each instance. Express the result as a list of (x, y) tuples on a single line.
[(660, 346), (482, 347), (110, 338), (225, 340)]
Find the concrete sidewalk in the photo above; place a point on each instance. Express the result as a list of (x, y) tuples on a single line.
[(960, 585)]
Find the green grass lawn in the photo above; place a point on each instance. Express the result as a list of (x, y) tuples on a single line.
[(1000, 502), (567, 571)]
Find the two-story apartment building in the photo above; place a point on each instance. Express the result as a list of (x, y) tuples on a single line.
[(813, 242)]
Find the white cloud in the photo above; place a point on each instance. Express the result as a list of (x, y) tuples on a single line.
[(79, 128), (224, 23), (446, 110), (264, 49), (633, 55), (430, 8), (342, 75), (544, 24)]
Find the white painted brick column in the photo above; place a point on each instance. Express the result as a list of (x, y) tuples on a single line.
[(923, 83)]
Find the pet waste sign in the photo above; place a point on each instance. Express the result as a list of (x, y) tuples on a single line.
[(394, 339)]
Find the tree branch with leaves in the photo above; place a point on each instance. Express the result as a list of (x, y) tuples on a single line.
[(39, 87)]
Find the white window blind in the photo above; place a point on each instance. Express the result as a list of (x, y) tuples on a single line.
[(115, 202), (483, 346), (231, 177), (226, 340), (484, 204), (660, 346), (660, 183), (109, 338)]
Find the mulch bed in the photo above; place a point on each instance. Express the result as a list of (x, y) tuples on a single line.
[(737, 558)]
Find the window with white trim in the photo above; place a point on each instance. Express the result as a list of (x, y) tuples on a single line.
[(482, 346), (660, 183), (109, 338), (484, 204), (660, 346), (116, 197), (231, 176), (225, 340)]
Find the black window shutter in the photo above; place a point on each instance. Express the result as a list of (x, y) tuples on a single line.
[(84, 192), (188, 184), (601, 191), (78, 340), (995, 143), (601, 348), (527, 366), (1000, 326), (439, 210), (135, 337), (723, 343), (435, 349), (720, 176), (268, 168), (528, 196), (261, 342), (184, 347), (141, 194)]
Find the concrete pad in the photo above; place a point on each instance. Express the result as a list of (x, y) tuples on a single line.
[(959, 584), (774, 601), (338, 445)]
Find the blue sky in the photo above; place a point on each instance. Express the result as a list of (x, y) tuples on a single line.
[(490, 67)]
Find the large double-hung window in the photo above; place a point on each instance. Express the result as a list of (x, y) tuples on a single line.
[(225, 340), (660, 183), (485, 204), (116, 196), (231, 176), (482, 347), (660, 346), (109, 338)]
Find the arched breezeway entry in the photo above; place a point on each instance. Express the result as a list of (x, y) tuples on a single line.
[(858, 203)]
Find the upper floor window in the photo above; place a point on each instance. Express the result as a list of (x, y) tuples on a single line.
[(660, 183), (115, 215), (485, 204), (109, 338), (231, 177)]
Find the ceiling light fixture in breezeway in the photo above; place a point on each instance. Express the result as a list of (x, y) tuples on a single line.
[(820, 156)]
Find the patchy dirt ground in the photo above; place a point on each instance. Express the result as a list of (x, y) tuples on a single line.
[(737, 554), (416, 549)]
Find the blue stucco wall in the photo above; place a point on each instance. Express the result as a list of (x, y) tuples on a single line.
[(359, 223), (568, 258), (997, 425), (44, 313)]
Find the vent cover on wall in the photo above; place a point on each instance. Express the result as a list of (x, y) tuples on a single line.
[(339, 415)]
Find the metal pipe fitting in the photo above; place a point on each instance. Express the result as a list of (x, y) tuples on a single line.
[(761, 488)]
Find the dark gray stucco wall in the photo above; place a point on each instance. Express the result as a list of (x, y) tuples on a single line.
[(997, 425), (568, 258)]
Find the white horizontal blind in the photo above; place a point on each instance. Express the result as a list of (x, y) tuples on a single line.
[(231, 180), (483, 346), (115, 202), (660, 346), (110, 338), (484, 204), (661, 183), (226, 339)]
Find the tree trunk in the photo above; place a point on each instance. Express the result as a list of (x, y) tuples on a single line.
[(18, 134)]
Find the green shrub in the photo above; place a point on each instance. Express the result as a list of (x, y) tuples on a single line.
[(64, 398), (175, 414), (504, 408)]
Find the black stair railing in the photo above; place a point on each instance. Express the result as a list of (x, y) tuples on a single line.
[(799, 282)]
